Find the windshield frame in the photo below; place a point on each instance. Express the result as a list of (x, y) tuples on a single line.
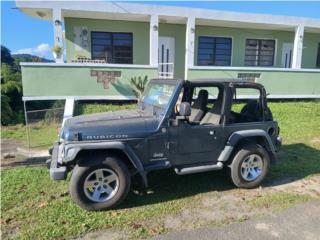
[(178, 83)]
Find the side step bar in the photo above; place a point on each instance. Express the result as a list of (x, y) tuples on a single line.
[(198, 169)]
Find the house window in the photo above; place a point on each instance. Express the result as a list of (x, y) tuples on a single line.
[(259, 52), (318, 57), (112, 47), (214, 51)]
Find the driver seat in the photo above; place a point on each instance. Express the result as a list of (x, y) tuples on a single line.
[(214, 115), (198, 108)]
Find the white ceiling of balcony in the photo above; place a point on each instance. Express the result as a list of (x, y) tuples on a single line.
[(42, 13), (172, 19)]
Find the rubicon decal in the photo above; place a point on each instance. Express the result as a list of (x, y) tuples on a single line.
[(115, 136)]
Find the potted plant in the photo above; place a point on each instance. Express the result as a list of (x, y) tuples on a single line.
[(57, 51)]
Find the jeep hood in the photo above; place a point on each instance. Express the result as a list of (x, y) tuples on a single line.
[(110, 125)]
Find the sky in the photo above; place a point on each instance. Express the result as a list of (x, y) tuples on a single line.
[(23, 34)]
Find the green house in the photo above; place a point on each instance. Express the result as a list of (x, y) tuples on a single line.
[(105, 44)]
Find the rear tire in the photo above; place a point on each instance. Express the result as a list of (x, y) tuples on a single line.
[(250, 166), (100, 186)]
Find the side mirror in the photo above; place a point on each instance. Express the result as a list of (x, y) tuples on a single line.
[(185, 109)]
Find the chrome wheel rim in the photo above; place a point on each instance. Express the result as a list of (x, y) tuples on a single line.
[(251, 167), (101, 185)]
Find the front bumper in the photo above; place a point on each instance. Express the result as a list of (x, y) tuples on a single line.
[(57, 172)]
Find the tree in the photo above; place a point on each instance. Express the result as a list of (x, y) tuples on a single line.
[(11, 89), (11, 86), (6, 111), (6, 56)]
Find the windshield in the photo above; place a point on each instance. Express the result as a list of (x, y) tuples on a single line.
[(158, 96)]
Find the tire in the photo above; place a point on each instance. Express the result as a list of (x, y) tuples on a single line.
[(253, 157), (109, 177)]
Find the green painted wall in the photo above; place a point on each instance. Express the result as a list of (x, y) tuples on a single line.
[(140, 32), (275, 82), (239, 37), (77, 81), (141, 44), (310, 49), (178, 31)]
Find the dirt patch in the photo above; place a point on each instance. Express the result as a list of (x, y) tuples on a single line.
[(315, 140), (309, 186), (110, 234), (234, 205), (10, 145), (13, 154), (231, 206)]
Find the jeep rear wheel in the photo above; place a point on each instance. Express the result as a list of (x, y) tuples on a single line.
[(100, 186), (250, 166)]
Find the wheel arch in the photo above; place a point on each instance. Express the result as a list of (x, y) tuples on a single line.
[(119, 149), (239, 138)]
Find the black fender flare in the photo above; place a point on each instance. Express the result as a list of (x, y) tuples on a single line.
[(239, 135), (72, 150)]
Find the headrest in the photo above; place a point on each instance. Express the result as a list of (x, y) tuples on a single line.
[(202, 100)]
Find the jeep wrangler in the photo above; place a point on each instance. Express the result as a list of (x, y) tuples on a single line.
[(190, 126)]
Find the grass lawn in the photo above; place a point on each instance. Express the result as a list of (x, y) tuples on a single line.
[(43, 135), (34, 207)]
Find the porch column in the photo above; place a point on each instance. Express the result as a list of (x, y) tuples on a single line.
[(154, 40), (57, 32), (189, 53), (298, 47), (68, 109)]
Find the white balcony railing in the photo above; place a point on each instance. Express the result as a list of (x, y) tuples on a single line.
[(166, 70)]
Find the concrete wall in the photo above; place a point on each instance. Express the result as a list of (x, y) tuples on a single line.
[(55, 80), (72, 80), (276, 82), (140, 32)]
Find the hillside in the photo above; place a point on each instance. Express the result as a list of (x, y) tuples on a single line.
[(29, 58)]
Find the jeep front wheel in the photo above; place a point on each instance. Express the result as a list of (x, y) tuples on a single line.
[(101, 186), (250, 166)]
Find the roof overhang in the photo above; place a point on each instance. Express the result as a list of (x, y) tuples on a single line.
[(98, 9)]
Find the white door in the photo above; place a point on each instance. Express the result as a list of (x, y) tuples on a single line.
[(166, 57), (287, 49)]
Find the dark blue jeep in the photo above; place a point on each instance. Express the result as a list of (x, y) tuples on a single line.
[(190, 126)]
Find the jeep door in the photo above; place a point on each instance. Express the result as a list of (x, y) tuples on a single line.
[(194, 144)]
